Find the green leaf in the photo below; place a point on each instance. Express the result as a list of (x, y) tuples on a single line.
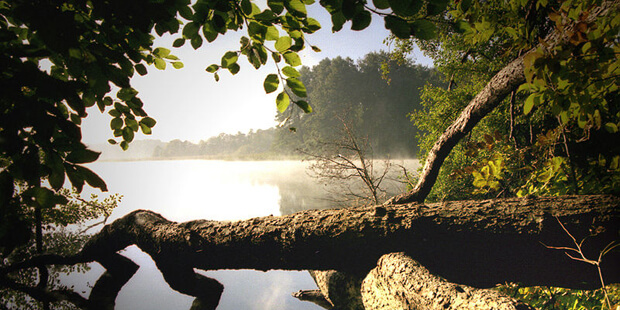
[(209, 32), (271, 83), (82, 156), (229, 58), (296, 8), (361, 20), (304, 106), (292, 59), (141, 69), (148, 121), (297, 87), (178, 65), (436, 6), (272, 33), (145, 129), (291, 72), (45, 197), (114, 113), (57, 174), (283, 44), (212, 68), (124, 145), (116, 123), (196, 42), (398, 26), (126, 94), (128, 134), (312, 25), (611, 127), (190, 31), (338, 21), (277, 6), (282, 102), (234, 68), (112, 141), (257, 31), (160, 64), (186, 12), (266, 16), (381, 4), (132, 123), (246, 7), (76, 178), (405, 8), (161, 52), (92, 178), (423, 29), (529, 103)]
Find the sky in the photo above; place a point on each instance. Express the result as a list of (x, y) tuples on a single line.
[(189, 104)]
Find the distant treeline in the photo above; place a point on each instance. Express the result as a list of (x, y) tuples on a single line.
[(373, 95), (253, 144)]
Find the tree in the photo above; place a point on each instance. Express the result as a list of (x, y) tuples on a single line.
[(92, 44), (556, 35), (349, 164), (385, 92)]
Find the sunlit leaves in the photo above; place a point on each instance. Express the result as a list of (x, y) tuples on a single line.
[(282, 102), (283, 44), (160, 64), (212, 68), (209, 32), (277, 6), (229, 58), (296, 7), (272, 34), (190, 31), (271, 83), (296, 86), (292, 59), (291, 72), (304, 106)]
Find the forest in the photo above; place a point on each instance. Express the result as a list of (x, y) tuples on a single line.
[(387, 93), (517, 129)]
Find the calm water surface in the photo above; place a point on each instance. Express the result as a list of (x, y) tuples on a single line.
[(183, 190)]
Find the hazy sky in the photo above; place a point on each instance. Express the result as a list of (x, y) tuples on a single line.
[(189, 105)]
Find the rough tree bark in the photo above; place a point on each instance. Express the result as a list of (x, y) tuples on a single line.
[(501, 85), (474, 243), (399, 282)]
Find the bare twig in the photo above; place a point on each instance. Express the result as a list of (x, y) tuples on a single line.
[(583, 258)]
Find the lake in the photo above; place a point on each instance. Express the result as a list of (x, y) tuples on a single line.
[(183, 190)]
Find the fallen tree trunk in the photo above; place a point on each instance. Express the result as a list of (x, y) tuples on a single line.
[(477, 243), (473, 243), (399, 282)]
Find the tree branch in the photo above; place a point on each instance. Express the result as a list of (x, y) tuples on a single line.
[(503, 83)]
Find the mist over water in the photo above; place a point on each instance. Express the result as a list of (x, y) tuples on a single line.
[(183, 190)]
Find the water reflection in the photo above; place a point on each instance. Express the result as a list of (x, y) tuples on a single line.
[(216, 190)]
